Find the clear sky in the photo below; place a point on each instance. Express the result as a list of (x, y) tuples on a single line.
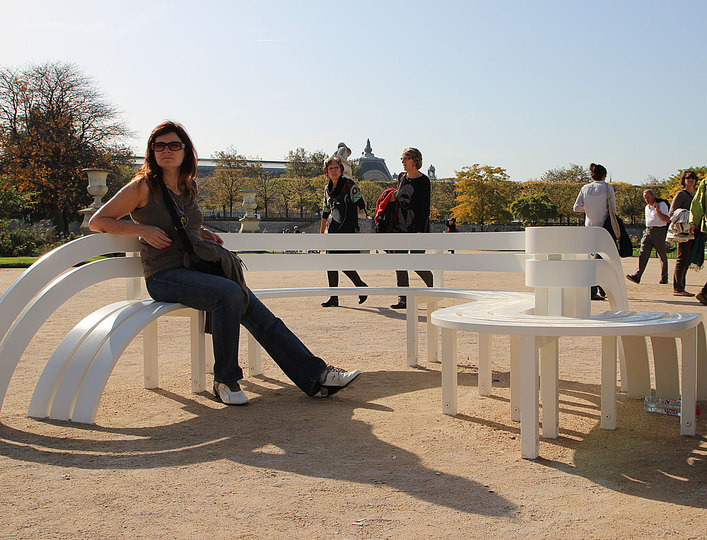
[(524, 85)]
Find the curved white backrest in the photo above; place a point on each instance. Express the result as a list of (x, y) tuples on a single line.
[(478, 241), (41, 307), (54, 275), (54, 263), (560, 273), (574, 243)]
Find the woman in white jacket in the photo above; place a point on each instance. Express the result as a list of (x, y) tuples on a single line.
[(594, 200)]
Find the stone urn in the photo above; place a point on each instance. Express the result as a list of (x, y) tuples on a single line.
[(249, 222), (97, 187)]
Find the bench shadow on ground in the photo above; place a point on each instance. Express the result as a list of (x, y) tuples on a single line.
[(283, 431), (645, 456)]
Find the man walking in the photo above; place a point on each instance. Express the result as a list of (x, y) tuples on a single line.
[(654, 236)]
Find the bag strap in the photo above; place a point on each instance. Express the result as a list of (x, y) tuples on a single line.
[(612, 214), (181, 231)]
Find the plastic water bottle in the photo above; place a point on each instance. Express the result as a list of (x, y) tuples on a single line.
[(664, 406)]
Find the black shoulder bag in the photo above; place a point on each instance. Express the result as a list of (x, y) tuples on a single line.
[(208, 267)]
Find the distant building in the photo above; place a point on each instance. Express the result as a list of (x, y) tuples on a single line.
[(373, 168), (206, 166)]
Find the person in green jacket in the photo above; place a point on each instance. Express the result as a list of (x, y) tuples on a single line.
[(698, 210)]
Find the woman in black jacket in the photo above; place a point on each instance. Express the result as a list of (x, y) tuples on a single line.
[(413, 196), (342, 202)]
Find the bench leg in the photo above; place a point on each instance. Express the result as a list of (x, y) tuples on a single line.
[(411, 330), (208, 356), (485, 365), (665, 362), (515, 378), (149, 354), (638, 376), (529, 408), (449, 371), (701, 363), (549, 388), (432, 333), (254, 354), (689, 382), (198, 357), (608, 382)]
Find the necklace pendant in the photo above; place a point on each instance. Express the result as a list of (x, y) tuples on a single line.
[(184, 221)]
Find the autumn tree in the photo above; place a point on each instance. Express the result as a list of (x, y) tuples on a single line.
[(305, 194), (266, 185), (672, 185), (229, 176), (484, 195), (629, 201), (53, 123)]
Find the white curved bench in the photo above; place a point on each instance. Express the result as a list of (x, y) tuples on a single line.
[(561, 308), (72, 382)]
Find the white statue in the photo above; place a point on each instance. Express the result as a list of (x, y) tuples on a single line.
[(343, 152)]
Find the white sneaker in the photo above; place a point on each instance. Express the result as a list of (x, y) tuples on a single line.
[(230, 394), (336, 379)]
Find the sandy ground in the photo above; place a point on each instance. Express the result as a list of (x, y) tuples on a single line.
[(377, 460)]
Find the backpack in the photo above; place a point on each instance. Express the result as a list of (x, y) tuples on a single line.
[(386, 211)]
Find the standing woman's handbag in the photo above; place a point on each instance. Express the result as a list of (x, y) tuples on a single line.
[(615, 225)]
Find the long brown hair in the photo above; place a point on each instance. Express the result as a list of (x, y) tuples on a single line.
[(152, 172)]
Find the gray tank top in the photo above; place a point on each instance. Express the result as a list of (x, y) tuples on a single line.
[(155, 213)]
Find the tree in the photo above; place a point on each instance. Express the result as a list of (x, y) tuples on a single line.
[(227, 179), (13, 204), (441, 198), (562, 195), (305, 194), (629, 201), (534, 210), (265, 184), (304, 164), (574, 174), (672, 185), (54, 123), (484, 195)]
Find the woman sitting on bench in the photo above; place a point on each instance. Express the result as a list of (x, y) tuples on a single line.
[(170, 159)]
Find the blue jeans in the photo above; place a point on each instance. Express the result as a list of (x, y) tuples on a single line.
[(224, 299)]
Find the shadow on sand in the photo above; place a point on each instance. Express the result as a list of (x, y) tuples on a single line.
[(285, 431)]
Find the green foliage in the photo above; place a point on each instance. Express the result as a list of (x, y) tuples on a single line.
[(231, 175), (17, 262), (629, 201), (572, 174), (562, 195), (484, 195), (13, 204), (672, 185), (305, 194), (534, 210), (301, 163), (442, 198), (26, 240)]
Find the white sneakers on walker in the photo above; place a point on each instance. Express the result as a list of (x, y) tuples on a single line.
[(336, 378), (230, 393)]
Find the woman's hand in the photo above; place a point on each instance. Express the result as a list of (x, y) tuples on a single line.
[(206, 234), (155, 236)]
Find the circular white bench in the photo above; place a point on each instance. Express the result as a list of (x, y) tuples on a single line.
[(562, 273)]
